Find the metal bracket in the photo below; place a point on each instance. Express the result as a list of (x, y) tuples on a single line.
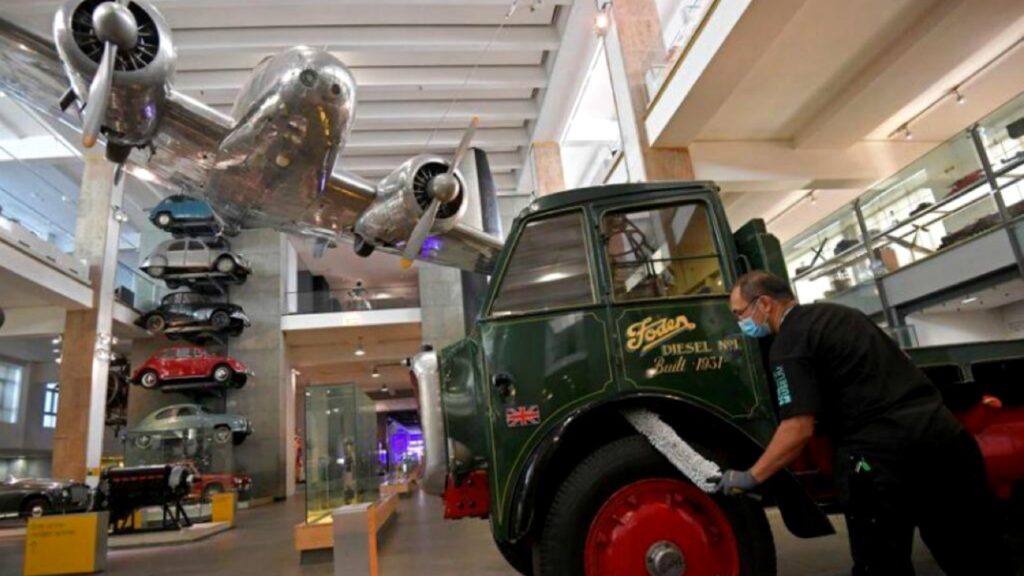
[(695, 467)]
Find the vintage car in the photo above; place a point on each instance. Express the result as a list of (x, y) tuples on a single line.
[(184, 364), (182, 313), (192, 416), (206, 484), (181, 214), (172, 259), (35, 497)]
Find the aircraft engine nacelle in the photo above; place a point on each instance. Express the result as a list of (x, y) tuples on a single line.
[(141, 71), (402, 199)]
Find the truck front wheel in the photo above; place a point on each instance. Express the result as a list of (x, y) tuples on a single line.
[(627, 511)]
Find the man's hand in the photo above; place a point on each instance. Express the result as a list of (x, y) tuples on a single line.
[(735, 482)]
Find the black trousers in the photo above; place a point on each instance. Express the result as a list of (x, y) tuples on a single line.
[(941, 490)]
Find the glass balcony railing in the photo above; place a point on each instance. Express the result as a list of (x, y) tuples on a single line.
[(19, 212), (681, 20), (351, 300)]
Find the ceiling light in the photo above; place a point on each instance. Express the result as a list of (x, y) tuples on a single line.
[(57, 340), (384, 389), (969, 299), (959, 97), (602, 21), (375, 373), (57, 359), (907, 134), (359, 348)]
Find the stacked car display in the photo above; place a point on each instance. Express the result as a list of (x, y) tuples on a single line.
[(199, 258)]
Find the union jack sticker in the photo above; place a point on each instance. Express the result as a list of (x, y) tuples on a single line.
[(522, 416)]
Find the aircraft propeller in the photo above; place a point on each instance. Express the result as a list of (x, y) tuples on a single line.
[(443, 188), (117, 28)]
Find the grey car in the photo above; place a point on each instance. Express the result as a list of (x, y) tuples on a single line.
[(191, 416), (35, 497), (174, 258)]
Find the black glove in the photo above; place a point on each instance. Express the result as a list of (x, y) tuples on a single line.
[(734, 482)]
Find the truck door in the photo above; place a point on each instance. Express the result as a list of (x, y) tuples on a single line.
[(669, 279), (544, 339)]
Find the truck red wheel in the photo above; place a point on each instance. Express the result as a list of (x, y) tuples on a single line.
[(664, 527), (626, 511)]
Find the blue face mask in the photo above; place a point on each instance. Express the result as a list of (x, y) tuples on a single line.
[(753, 329)]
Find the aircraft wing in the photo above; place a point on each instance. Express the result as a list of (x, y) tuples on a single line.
[(183, 151)]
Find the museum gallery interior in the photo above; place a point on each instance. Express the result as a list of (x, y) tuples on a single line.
[(499, 287)]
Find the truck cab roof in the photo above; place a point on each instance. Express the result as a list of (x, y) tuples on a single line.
[(582, 196)]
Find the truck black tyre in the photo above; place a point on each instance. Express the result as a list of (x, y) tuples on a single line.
[(519, 556), (626, 506)]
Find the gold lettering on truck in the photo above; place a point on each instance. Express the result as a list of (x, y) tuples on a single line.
[(649, 333)]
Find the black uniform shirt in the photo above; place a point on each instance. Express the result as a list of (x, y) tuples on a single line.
[(835, 363)]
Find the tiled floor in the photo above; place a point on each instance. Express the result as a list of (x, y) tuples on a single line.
[(419, 542)]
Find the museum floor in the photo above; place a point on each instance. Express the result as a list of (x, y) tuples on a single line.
[(420, 542)]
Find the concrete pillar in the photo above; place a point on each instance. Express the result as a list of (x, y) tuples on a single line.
[(548, 175), (632, 44), (268, 399), (78, 438)]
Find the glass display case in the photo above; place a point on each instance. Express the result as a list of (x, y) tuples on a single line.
[(940, 200), (829, 262), (340, 448), (208, 452)]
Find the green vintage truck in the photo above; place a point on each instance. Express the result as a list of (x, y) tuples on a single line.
[(604, 338)]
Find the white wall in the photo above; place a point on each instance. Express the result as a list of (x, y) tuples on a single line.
[(1013, 319), (958, 327)]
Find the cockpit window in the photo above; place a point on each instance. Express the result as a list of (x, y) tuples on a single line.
[(662, 252), (548, 268)]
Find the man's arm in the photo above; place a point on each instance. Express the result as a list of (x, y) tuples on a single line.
[(789, 440)]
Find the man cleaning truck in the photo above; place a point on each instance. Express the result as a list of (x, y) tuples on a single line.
[(901, 459), (606, 380)]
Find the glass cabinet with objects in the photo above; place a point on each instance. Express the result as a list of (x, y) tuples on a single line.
[(340, 449), (968, 186), (829, 262)]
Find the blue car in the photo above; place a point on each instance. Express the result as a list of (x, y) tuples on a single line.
[(181, 214)]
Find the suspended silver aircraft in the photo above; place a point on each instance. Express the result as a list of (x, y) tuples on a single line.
[(109, 70)]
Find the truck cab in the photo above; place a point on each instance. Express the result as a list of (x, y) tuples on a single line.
[(605, 301)]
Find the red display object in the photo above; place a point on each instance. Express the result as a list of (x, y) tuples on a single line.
[(470, 498), (190, 364)]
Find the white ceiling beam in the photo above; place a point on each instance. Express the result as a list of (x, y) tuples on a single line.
[(416, 115), (50, 6), (369, 38), (421, 79), (775, 166), (415, 141), (383, 165), (952, 41), (223, 99), (221, 60)]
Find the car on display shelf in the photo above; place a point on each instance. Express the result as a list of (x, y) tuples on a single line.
[(173, 260), (183, 214), (35, 497), (184, 313), (187, 364), (619, 296), (206, 484), (178, 417)]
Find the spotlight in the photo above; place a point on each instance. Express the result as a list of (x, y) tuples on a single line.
[(57, 359), (602, 21), (907, 134), (120, 215), (359, 348), (959, 97), (814, 198), (57, 340)]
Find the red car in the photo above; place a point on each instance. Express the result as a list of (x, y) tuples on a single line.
[(183, 364), (205, 485)]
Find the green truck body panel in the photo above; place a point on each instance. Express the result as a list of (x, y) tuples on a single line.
[(564, 361)]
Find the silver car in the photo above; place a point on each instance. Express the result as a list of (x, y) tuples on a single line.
[(192, 416), (174, 258)]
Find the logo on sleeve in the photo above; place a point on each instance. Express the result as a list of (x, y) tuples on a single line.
[(782, 386)]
